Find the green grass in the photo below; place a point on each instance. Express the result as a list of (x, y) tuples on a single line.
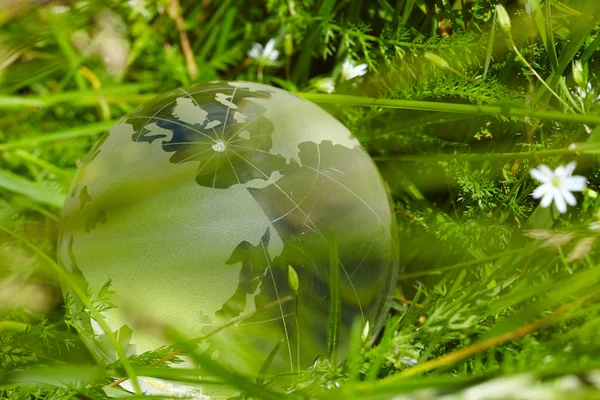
[(493, 288)]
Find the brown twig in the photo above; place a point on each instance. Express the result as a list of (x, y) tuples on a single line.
[(495, 341), (229, 323), (175, 14), (404, 300)]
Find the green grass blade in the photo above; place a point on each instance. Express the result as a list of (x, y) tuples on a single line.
[(15, 183), (72, 133), (335, 303), (264, 368), (382, 349), (303, 63), (354, 359), (497, 110), (77, 97), (234, 379), (225, 33)]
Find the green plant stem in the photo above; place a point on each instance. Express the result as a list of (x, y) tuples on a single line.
[(499, 110), (335, 304), (534, 72), (576, 148), (297, 322), (78, 97), (565, 89), (80, 293)]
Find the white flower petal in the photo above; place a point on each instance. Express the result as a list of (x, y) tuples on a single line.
[(559, 202), (574, 183), (270, 46), (539, 175), (349, 70), (256, 51), (568, 196), (360, 69), (546, 170), (273, 56), (346, 66), (570, 167), (541, 190), (560, 171), (548, 196)]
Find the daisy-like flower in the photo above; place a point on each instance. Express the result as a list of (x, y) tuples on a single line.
[(557, 186), (325, 85), (349, 70), (264, 55)]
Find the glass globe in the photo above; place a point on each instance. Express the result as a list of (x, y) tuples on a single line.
[(197, 204)]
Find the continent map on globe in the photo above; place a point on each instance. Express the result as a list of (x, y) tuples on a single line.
[(196, 205)]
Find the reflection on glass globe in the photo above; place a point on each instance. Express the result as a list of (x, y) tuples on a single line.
[(196, 204)]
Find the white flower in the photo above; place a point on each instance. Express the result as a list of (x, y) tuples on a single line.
[(264, 55), (349, 70), (582, 95), (557, 186), (325, 85)]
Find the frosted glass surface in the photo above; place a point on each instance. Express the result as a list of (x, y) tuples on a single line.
[(196, 203)]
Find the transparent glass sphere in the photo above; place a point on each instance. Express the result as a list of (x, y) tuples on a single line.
[(197, 203)]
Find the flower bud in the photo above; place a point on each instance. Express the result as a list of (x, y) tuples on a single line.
[(437, 61), (288, 45), (578, 73), (293, 279), (324, 85), (503, 18), (365, 332), (592, 194)]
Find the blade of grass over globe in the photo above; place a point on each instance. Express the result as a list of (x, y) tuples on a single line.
[(346, 100), (231, 377), (229, 324), (335, 303), (75, 287)]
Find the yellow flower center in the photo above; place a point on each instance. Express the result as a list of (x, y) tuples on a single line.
[(556, 181)]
